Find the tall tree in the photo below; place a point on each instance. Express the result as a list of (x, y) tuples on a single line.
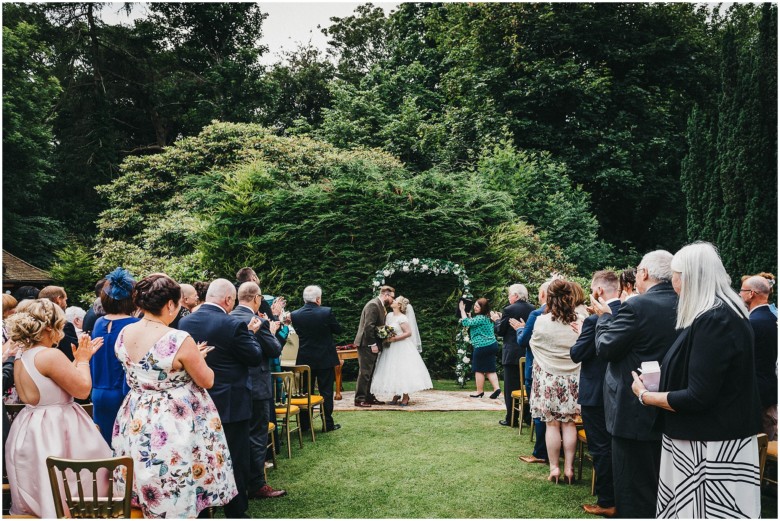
[(30, 92)]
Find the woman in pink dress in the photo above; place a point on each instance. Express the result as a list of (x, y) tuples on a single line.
[(51, 424)]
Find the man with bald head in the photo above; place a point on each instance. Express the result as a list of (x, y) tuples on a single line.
[(235, 351), (755, 294), (186, 303)]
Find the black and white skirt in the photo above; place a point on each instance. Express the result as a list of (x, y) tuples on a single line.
[(709, 479)]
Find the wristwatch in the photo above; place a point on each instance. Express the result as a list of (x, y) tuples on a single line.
[(641, 395)]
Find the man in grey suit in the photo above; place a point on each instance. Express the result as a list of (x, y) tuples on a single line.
[(643, 331), (373, 316), (249, 297)]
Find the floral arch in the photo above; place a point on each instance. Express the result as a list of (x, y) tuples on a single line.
[(436, 267)]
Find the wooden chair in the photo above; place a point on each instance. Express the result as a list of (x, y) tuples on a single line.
[(771, 455), (286, 411), (519, 398), (304, 398), (91, 504), (763, 445), (272, 446)]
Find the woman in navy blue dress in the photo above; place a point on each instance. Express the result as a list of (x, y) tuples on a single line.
[(109, 385)]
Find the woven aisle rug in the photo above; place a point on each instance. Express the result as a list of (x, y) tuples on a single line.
[(427, 401)]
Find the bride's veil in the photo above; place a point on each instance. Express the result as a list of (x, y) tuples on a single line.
[(413, 326)]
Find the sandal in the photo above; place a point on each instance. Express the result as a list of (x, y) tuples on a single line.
[(395, 400)]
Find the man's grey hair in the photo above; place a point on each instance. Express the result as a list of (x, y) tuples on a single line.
[(74, 312), (248, 291), (519, 290), (312, 293), (219, 289), (759, 285), (658, 264)]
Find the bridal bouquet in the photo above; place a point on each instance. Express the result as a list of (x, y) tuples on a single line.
[(385, 332)]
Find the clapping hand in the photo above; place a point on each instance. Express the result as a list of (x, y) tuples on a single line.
[(278, 306), (495, 315), (600, 306), (576, 326), (10, 348), (86, 348), (254, 324), (274, 326), (516, 324)]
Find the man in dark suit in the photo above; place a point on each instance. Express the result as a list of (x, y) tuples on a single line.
[(316, 325), (58, 295), (235, 350), (368, 345), (249, 297), (755, 293), (519, 309), (605, 285), (644, 330)]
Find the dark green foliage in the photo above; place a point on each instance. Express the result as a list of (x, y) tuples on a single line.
[(29, 95), (730, 174), (75, 270)]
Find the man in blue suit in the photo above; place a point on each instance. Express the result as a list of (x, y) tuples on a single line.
[(235, 351), (249, 297), (316, 325), (755, 293), (605, 285)]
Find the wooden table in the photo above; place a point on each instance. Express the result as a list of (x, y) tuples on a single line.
[(344, 354)]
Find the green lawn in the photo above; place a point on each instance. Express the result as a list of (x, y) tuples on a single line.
[(400, 464)]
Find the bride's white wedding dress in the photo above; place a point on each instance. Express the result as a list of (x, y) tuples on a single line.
[(400, 368)]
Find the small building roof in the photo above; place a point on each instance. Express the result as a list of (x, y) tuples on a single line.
[(15, 270)]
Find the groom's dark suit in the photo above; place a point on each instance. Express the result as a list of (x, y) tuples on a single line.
[(373, 316), (235, 351)]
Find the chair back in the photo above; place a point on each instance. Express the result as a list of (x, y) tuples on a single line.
[(522, 373), (282, 395), (301, 383), (89, 503)]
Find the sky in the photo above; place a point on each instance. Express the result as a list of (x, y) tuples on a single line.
[(287, 25)]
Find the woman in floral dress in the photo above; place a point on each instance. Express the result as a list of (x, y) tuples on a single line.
[(168, 423), (556, 377)]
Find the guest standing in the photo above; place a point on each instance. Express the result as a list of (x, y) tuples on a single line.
[(109, 382), (95, 311), (58, 295), (52, 424), (168, 423), (235, 351), (483, 338), (755, 293), (556, 377), (249, 297), (604, 285), (518, 309), (524, 332), (708, 397), (628, 284), (316, 325), (642, 331)]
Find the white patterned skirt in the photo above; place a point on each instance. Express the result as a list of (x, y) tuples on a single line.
[(709, 479)]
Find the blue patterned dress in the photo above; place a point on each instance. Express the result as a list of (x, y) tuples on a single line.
[(171, 429)]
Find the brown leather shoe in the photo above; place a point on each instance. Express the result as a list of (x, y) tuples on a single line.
[(597, 510), (532, 459), (374, 401), (362, 404), (266, 491)]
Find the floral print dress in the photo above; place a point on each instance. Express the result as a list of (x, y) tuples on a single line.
[(171, 429)]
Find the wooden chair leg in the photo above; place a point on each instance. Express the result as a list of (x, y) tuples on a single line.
[(592, 479), (287, 428), (520, 415), (300, 434), (311, 422), (582, 456)]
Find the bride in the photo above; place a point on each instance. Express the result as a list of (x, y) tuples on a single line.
[(400, 369)]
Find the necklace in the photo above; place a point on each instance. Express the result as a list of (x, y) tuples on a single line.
[(155, 321)]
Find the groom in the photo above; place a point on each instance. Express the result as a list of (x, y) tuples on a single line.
[(373, 316)]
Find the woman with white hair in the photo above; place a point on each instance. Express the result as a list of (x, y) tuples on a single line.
[(708, 397)]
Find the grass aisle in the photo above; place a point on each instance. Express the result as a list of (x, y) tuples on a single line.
[(418, 465)]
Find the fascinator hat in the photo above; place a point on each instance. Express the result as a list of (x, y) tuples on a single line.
[(120, 284)]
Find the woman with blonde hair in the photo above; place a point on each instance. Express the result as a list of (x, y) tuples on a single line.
[(52, 424), (400, 369), (710, 407)]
